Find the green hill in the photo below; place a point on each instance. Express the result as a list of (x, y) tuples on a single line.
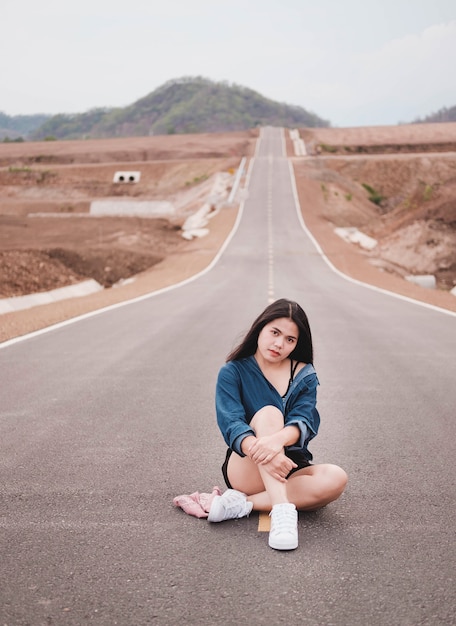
[(15, 127), (186, 105)]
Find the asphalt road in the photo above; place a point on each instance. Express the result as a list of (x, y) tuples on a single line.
[(104, 420)]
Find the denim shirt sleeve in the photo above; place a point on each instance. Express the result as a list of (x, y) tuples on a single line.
[(231, 415), (303, 436), (301, 410)]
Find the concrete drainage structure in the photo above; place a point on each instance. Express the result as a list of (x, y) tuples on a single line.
[(126, 177)]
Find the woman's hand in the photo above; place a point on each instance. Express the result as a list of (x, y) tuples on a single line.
[(264, 449), (280, 467)]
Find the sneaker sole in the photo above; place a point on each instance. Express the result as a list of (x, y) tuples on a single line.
[(283, 545)]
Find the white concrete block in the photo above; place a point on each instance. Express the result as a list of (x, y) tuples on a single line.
[(131, 208), (195, 232), (353, 235), (424, 280)]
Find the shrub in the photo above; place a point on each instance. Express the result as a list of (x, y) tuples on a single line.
[(428, 191), (326, 148), (374, 196)]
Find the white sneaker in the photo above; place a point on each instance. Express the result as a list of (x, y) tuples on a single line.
[(284, 527), (230, 505)]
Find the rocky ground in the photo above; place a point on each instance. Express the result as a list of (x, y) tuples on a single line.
[(390, 183)]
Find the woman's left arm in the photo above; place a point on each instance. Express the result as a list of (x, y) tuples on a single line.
[(301, 411)]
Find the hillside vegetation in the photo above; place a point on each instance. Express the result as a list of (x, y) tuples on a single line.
[(17, 127), (443, 115), (187, 105)]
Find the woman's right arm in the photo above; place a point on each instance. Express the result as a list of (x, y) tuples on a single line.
[(231, 415)]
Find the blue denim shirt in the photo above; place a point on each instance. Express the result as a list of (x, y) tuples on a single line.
[(242, 390)]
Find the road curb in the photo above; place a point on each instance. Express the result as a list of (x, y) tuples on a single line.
[(18, 303)]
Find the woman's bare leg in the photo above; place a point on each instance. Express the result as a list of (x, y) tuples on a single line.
[(267, 421), (252, 478), (309, 488)]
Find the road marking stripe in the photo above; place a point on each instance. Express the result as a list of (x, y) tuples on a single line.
[(264, 522), (270, 236)]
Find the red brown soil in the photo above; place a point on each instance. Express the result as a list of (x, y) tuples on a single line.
[(381, 139), (414, 219), (47, 188), (38, 253)]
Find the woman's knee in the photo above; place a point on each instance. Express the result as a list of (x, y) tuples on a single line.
[(327, 484), (335, 478), (268, 417)]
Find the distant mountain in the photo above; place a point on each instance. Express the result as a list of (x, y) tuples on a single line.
[(14, 127), (443, 115), (186, 105)]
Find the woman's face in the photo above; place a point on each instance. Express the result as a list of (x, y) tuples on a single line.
[(277, 340)]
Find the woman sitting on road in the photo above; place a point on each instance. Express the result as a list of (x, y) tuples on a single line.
[(266, 411)]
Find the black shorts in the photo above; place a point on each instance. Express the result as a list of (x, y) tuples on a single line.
[(297, 457)]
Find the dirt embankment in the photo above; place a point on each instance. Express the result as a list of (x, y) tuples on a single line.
[(47, 239), (403, 194), (408, 138), (406, 201)]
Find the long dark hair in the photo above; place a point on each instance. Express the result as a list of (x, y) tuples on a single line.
[(303, 351)]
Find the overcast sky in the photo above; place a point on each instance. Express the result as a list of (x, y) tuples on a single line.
[(352, 62)]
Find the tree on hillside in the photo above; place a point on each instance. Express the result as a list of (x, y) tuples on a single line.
[(443, 115)]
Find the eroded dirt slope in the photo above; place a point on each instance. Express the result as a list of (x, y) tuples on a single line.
[(397, 189), (48, 240)]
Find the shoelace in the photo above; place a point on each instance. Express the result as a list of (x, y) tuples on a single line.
[(283, 520), (234, 504)]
